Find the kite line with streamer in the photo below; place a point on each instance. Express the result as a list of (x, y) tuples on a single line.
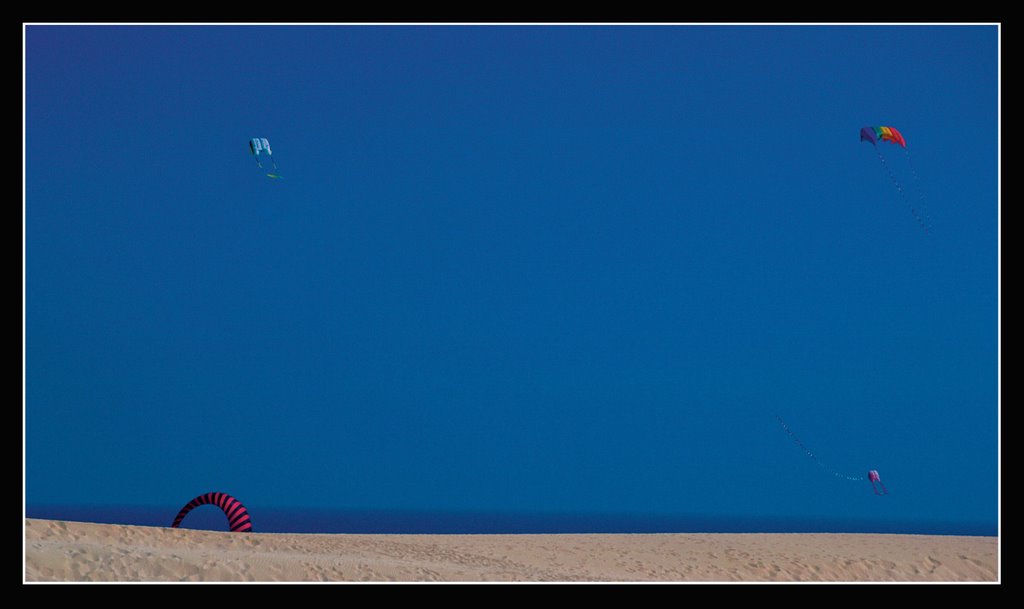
[(872, 476)]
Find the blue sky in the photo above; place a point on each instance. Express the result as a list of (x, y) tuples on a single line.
[(548, 269)]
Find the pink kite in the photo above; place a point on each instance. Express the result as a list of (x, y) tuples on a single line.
[(873, 477)]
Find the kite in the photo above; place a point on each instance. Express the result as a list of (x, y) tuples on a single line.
[(259, 145), (877, 135), (238, 516), (872, 475), (885, 134)]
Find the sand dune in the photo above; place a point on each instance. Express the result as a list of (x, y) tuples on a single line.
[(58, 550)]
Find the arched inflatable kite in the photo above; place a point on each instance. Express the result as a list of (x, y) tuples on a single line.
[(882, 134), (238, 516)]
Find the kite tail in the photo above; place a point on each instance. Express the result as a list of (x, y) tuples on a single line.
[(899, 188)]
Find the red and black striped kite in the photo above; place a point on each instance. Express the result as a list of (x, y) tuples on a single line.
[(238, 516)]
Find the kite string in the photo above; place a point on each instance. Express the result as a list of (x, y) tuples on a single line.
[(813, 456), (919, 190), (899, 188)]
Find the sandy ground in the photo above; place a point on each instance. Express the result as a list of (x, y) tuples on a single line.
[(58, 550)]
